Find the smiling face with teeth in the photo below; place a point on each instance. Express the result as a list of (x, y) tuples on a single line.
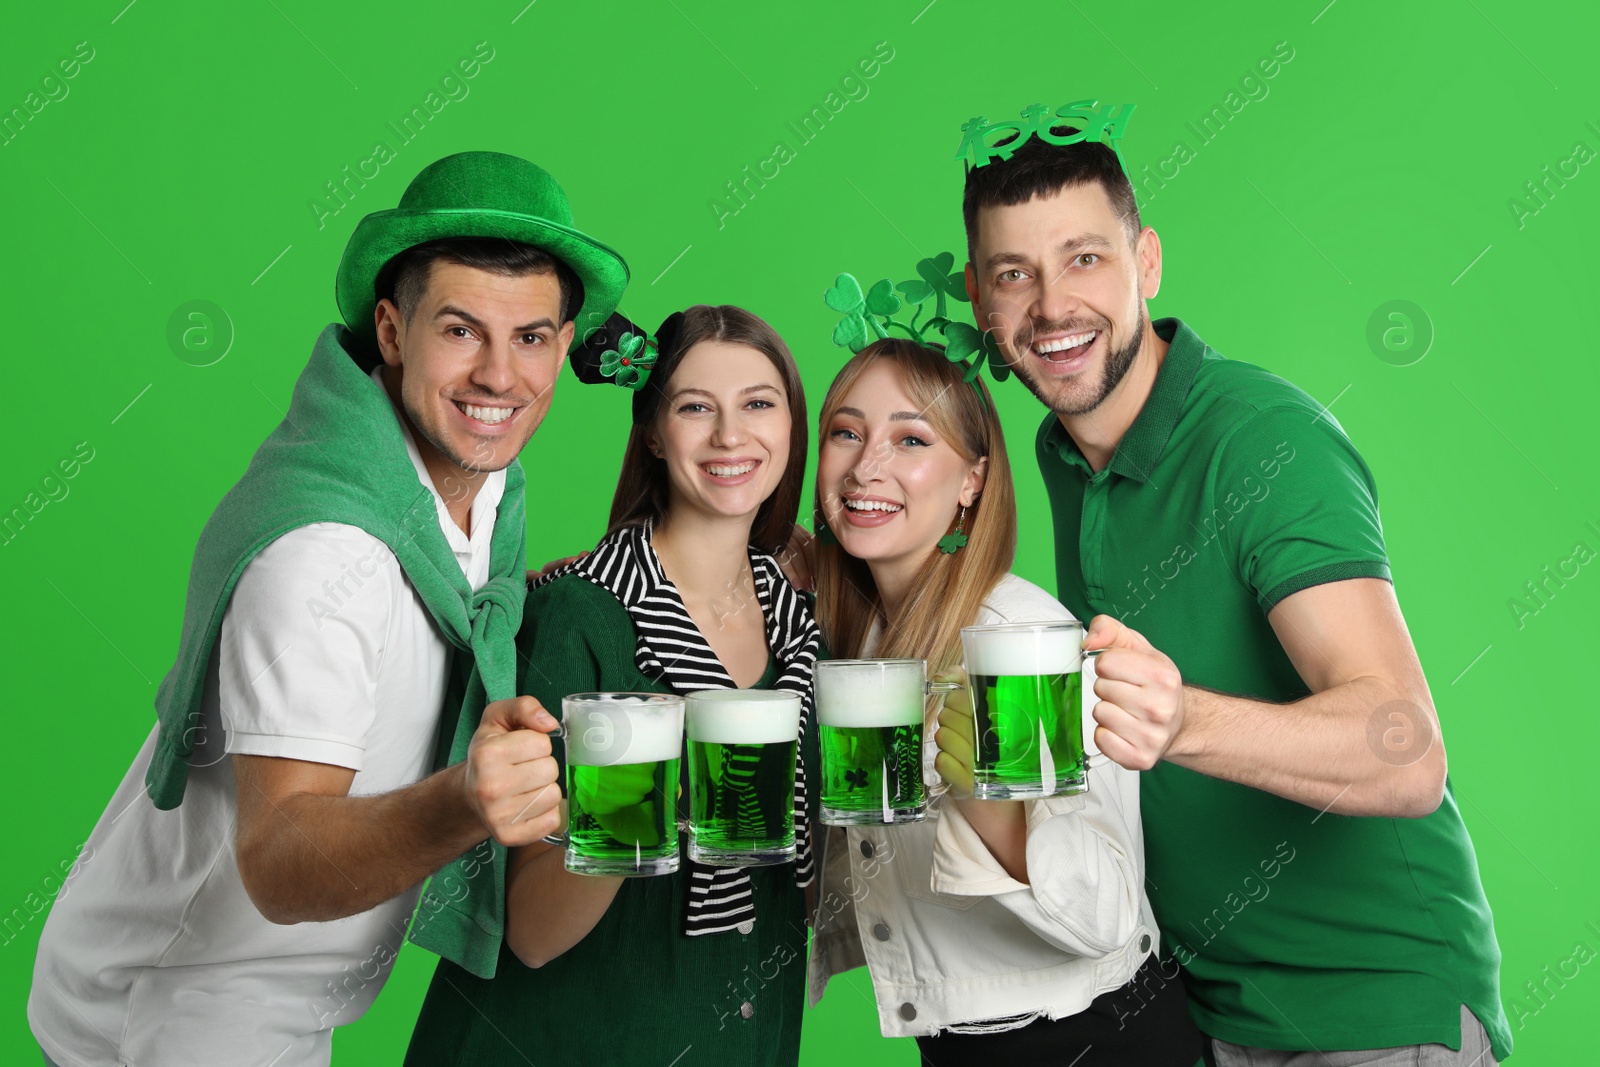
[(473, 369), (1063, 287), (723, 431), (889, 484)]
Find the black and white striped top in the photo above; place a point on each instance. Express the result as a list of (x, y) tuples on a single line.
[(672, 650)]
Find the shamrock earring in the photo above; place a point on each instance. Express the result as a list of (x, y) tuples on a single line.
[(952, 542)]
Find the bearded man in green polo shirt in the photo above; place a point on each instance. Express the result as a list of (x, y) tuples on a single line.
[(1307, 861)]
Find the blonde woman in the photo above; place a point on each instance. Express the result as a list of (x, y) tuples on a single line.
[(994, 931)]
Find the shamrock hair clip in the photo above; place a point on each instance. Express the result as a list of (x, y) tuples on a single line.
[(630, 362), (617, 352), (870, 315)]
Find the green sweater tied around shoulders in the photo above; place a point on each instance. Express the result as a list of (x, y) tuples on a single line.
[(339, 456)]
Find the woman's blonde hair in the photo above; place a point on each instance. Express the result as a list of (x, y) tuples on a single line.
[(950, 588)]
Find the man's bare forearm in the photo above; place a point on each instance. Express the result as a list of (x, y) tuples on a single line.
[(314, 857), (1366, 747), (309, 852)]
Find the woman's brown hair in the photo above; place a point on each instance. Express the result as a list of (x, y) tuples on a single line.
[(643, 488), (951, 588)]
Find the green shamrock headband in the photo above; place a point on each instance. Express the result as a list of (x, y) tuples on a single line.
[(982, 142), (870, 316)]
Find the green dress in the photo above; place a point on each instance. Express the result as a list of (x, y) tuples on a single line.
[(635, 989)]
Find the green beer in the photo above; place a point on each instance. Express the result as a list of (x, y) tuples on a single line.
[(741, 775), (1027, 692), (869, 717), (622, 753)]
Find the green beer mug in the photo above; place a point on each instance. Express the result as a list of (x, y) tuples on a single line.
[(1027, 696), (622, 752), (870, 718), (741, 745)]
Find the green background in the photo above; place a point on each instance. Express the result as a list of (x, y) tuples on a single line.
[(183, 162)]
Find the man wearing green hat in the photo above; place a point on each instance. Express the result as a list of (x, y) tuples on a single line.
[(348, 629)]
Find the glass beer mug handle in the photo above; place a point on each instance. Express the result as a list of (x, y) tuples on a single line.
[(1098, 758), (944, 687), (559, 838)]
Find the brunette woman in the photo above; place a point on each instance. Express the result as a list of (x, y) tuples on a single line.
[(681, 595)]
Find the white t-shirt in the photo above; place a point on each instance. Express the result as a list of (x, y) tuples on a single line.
[(153, 954)]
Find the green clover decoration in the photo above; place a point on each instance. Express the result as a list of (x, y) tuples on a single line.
[(630, 362), (870, 315)]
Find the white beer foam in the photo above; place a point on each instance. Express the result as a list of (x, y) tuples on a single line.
[(742, 716), (612, 732), (870, 694), (1023, 652)]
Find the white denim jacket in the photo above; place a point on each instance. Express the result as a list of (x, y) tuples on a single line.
[(955, 943)]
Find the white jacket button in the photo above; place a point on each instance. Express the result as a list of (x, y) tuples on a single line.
[(746, 927), (881, 932), (908, 1011), (747, 1009)]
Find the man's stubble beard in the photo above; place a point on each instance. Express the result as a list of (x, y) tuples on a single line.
[(1118, 362)]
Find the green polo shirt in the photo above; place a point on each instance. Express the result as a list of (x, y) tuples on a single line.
[(1299, 930)]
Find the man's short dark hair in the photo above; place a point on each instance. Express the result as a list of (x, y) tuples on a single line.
[(1042, 169), (405, 277)]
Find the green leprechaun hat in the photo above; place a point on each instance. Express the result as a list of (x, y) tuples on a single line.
[(480, 194)]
